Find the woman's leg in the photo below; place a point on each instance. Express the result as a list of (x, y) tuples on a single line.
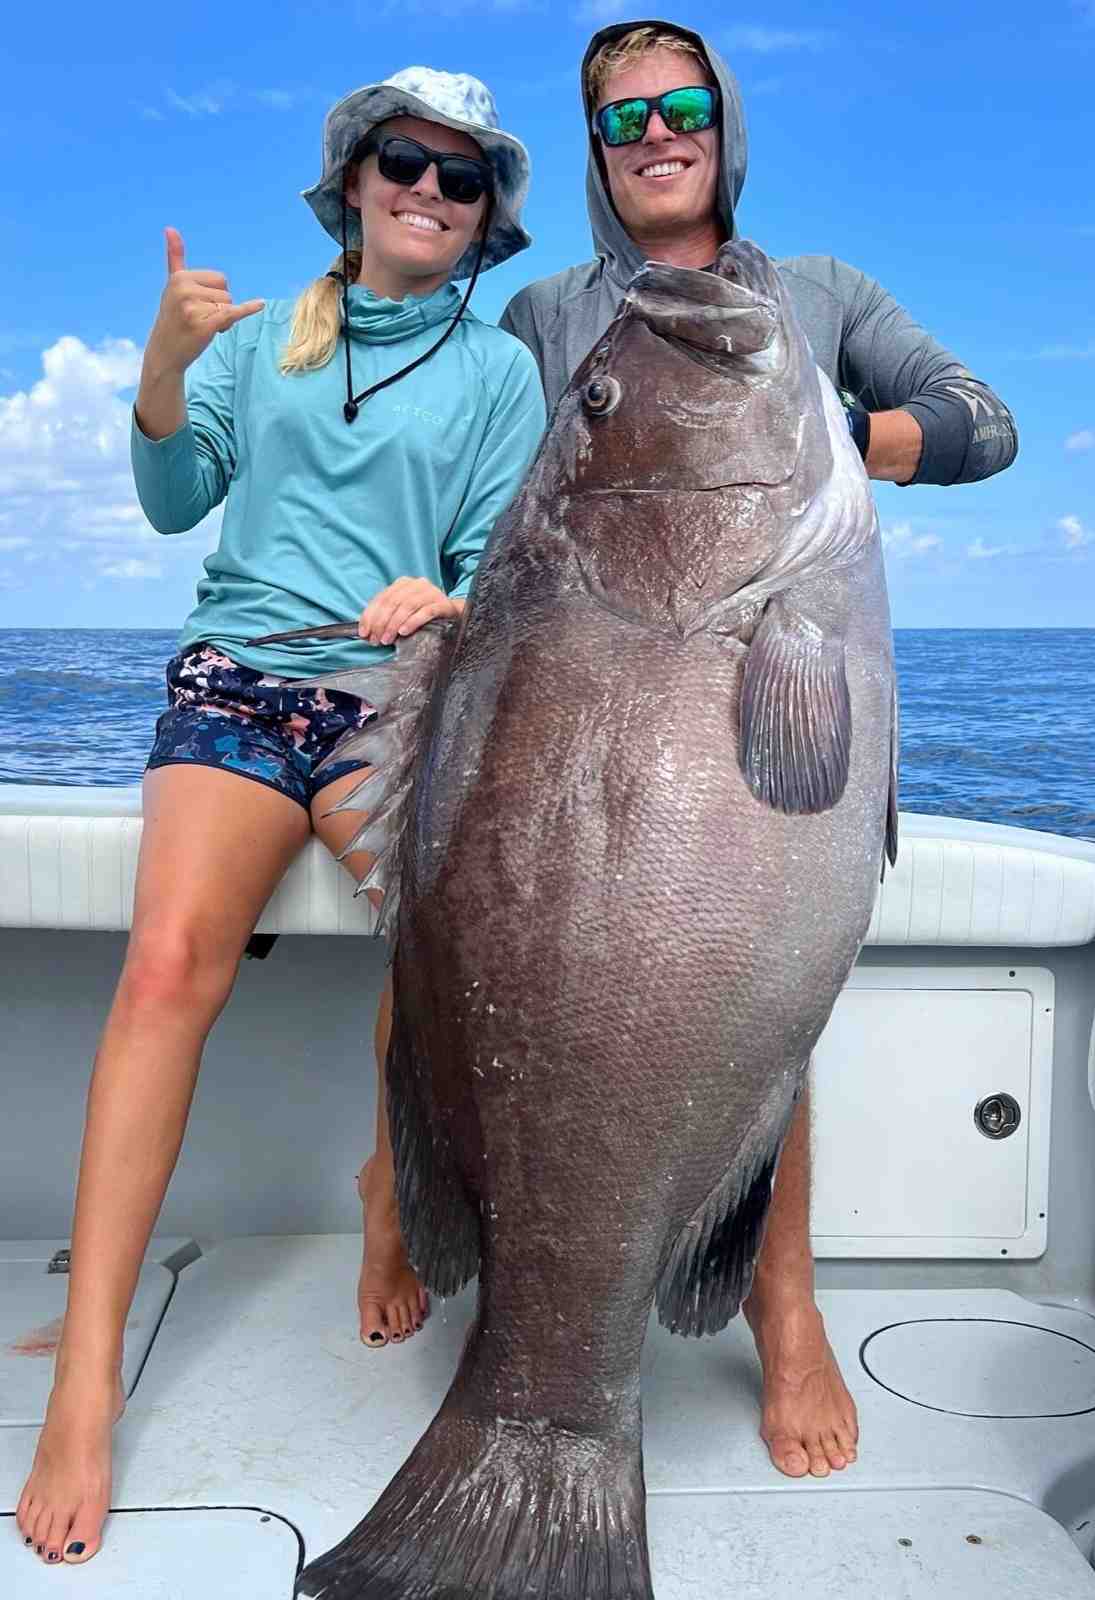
[(391, 1301), (213, 849)]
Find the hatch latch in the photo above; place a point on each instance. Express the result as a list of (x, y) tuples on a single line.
[(997, 1116)]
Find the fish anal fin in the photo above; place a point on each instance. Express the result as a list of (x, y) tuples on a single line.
[(796, 715), (708, 1270), (439, 1223)]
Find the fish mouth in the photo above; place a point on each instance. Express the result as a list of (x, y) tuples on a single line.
[(718, 316)]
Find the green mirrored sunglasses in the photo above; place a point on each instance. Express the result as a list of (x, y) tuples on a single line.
[(687, 110)]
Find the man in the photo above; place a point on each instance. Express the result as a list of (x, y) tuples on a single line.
[(663, 183)]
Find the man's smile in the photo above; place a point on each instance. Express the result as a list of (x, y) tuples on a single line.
[(663, 168)]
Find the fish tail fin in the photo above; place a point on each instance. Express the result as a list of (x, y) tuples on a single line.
[(401, 690), (438, 1221), (709, 1268), (498, 1510)]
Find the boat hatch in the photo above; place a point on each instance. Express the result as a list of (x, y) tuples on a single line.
[(33, 1287), (984, 1367), (229, 1553)]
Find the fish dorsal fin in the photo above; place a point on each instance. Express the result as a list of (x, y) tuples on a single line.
[(401, 689)]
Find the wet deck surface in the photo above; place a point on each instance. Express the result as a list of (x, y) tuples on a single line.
[(258, 1394)]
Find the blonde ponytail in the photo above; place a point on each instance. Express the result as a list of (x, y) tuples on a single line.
[(317, 319)]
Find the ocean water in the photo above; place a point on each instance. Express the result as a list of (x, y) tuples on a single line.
[(996, 724)]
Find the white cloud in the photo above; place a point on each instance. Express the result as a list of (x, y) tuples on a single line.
[(1084, 439), (900, 542), (980, 551), (1067, 352), (1075, 535), (208, 102), (222, 95), (370, 10), (131, 567), (767, 41), (66, 487), (276, 99)]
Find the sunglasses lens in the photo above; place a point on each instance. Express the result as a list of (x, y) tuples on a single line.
[(462, 181), (688, 110), (401, 161), (624, 121)]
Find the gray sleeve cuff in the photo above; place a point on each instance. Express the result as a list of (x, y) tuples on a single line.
[(946, 428)]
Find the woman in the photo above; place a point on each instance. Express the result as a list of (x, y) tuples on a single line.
[(355, 471)]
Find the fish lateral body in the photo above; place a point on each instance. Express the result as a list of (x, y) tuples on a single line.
[(649, 802)]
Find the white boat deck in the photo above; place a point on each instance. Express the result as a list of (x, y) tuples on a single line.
[(258, 1401), (956, 1269)]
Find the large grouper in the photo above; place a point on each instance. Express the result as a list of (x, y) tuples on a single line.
[(630, 818)]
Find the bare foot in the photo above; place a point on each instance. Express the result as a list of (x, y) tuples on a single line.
[(66, 1498), (808, 1418), (392, 1303)]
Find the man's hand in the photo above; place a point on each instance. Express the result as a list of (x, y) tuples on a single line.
[(890, 442), (402, 608)]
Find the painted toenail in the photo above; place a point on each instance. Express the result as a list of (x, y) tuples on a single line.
[(376, 1338), (76, 1548), (53, 1556), (28, 1540)]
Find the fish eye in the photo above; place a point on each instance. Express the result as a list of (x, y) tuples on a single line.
[(601, 396)]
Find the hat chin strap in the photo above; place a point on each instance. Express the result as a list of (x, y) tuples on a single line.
[(355, 402)]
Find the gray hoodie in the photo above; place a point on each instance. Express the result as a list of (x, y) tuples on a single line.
[(860, 336)]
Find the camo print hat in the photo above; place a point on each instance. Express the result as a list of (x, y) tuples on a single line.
[(455, 100)]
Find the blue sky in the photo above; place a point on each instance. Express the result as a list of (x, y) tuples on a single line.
[(949, 152)]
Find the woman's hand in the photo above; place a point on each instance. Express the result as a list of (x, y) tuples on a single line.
[(195, 306), (402, 608)]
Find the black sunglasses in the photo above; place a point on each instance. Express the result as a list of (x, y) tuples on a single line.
[(402, 160), (687, 110)]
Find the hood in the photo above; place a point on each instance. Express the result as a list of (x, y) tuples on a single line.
[(380, 321), (610, 239)]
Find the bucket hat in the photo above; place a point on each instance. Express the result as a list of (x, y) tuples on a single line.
[(455, 100)]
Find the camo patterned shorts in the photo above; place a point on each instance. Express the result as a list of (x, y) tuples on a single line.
[(223, 715)]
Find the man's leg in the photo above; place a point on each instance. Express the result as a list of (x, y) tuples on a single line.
[(808, 1418)]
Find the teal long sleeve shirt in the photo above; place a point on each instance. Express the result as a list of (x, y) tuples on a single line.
[(319, 515)]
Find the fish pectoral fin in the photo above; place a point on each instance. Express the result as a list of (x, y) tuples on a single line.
[(796, 715), (401, 690)]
